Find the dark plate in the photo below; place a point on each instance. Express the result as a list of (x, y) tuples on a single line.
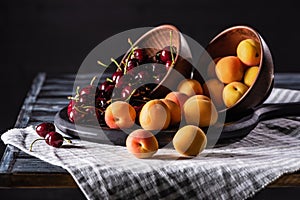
[(231, 132)]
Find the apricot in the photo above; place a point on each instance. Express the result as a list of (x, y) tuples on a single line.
[(155, 115), (178, 97), (248, 51), (229, 69), (250, 75), (213, 88), (174, 110), (189, 140), (142, 143), (200, 111), (190, 87), (211, 72), (120, 114), (233, 92)]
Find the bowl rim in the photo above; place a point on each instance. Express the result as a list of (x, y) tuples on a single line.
[(154, 29)]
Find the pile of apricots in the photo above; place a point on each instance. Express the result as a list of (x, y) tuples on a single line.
[(187, 104), (192, 103), (231, 76)]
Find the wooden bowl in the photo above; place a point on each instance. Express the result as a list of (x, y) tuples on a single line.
[(158, 38), (225, 44)]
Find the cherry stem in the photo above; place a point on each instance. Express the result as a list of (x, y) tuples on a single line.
[(108, 79), (30, 148), (77, 109), (116, 63), (130, 95), (101, 63), (77, 91), (130, 42), (68, 141), (171, 48), (92, 81)]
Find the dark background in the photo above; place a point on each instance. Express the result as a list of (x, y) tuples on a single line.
[(54, 36)]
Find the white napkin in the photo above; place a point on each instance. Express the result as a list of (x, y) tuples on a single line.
[(236, 171)]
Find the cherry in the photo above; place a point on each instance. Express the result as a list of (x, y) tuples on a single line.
[(85, 99), (106, 88), (101, 102), (44, 128), (169, 64), (126, 92), (76, 115), (165, 56), (139, 54), (132, 63), (88, 90), (116, 76), (54, 139), (142, 75)]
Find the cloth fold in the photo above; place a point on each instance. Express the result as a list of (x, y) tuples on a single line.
[(235, 171)]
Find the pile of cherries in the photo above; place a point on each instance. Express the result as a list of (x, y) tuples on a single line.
[(47, 132), (133, 81)]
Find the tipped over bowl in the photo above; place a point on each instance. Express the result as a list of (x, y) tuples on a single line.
[(225, 44)]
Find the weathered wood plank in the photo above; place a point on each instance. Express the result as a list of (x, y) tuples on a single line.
[(26, 164)]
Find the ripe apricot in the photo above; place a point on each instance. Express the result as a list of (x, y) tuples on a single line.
[(229, 69), (250, 75), (155, 115), (189, 140), (190, 87), (248, 51), (233, 92), (200, 111)]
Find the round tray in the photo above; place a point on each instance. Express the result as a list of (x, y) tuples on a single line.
[(231, 132)]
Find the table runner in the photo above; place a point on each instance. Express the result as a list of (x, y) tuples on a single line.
[(236, 171)]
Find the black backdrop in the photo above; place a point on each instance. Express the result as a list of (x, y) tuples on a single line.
[(54, 36)]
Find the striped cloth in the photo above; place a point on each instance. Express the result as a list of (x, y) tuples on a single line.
[(236, 171)]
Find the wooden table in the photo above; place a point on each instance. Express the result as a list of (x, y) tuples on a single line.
[(26, 177)]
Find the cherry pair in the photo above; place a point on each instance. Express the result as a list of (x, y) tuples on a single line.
[(47, 131)]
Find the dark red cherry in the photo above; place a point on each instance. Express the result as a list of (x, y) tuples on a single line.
[(116, 76), (88, 90), (85, 99), (54, 139), (165, 56), (168, 64), (44, 128), (126, 92), (71, 105), (101, 102), (142, 75), (132, 63), (139, 54)]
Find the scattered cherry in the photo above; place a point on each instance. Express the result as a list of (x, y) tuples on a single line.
[(44, 128), (54, 139), (47, 131)]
